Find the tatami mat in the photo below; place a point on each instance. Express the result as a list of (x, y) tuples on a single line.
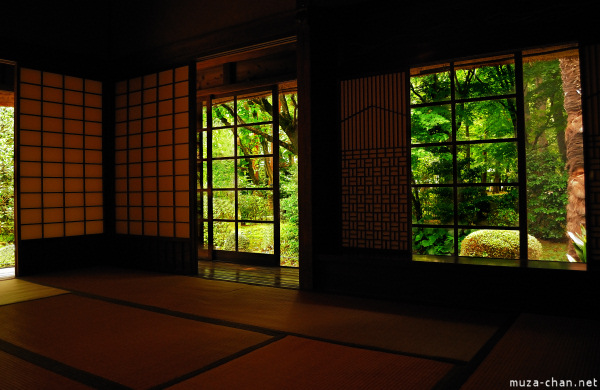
[(16, 290), (542, 348), (133, 347), (296, 363), (18, 374), (411, 329)]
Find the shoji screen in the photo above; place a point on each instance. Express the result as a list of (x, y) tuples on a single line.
[(375, 163), (152, 155), (60, 155)]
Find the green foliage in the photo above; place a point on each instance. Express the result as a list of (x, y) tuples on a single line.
[(7, 256), (243, 242), (546, 196), (502, 244), (7, 174), (432, 241), (480, 119), (255, 205), (546, 121)]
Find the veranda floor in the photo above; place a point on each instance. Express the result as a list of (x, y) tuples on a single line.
[(283, 277)]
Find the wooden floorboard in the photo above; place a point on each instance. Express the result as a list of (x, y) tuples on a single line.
[(282, 277)]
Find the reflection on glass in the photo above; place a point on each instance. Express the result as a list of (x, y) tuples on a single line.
[(431, 124), (223, 143), (474, 80), (487, 163), (223, 205), (223, 173), (256, 205), (489, 206), (256, 237), (555, 193), (432, 205), (204, 113), (432, 241), (432, 165), (430, 88), (204, 236), (488, 119)]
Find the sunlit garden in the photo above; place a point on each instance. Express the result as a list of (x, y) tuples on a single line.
[(239, 154), (466, 140), (7, 234)]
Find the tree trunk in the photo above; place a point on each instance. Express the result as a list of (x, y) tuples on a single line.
[(569, 68)]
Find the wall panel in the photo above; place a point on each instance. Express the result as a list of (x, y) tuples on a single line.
[(60, 155), (375, 163)]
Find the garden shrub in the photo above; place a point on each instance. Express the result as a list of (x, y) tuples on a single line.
[(503, 244), (243, 242), (7, 256)]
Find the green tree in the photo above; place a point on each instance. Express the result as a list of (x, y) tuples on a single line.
[(6, 175)]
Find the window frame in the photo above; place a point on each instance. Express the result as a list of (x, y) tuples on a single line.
[(520, 139)]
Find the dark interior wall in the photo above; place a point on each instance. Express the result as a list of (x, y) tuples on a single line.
[(66, 36), (145, 34), (384, 35)]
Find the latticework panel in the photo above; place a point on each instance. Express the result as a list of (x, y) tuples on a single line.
[(375, 163), (590, 64), (152, 169), (60, 155)]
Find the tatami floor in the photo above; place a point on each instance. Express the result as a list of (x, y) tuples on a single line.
[(111, 328)]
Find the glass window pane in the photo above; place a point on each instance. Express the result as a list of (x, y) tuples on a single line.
[(489, 206), (223, 143), (224, 205), (204, 235), (429, 88), (222, 235), (474, 79), (255, 172), (432, 241), (487, 163), (223, 173), (431, 124), (256, 205), (555, 185), (433, 205), (257, 107), (255, 140), (488, 119), (256, 237), (432, 165), (223, 113)]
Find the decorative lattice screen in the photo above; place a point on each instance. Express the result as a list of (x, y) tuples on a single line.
[(375, 163)]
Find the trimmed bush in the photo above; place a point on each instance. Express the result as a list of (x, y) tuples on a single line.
[(502, 244), (243, 242), (7, 256)]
